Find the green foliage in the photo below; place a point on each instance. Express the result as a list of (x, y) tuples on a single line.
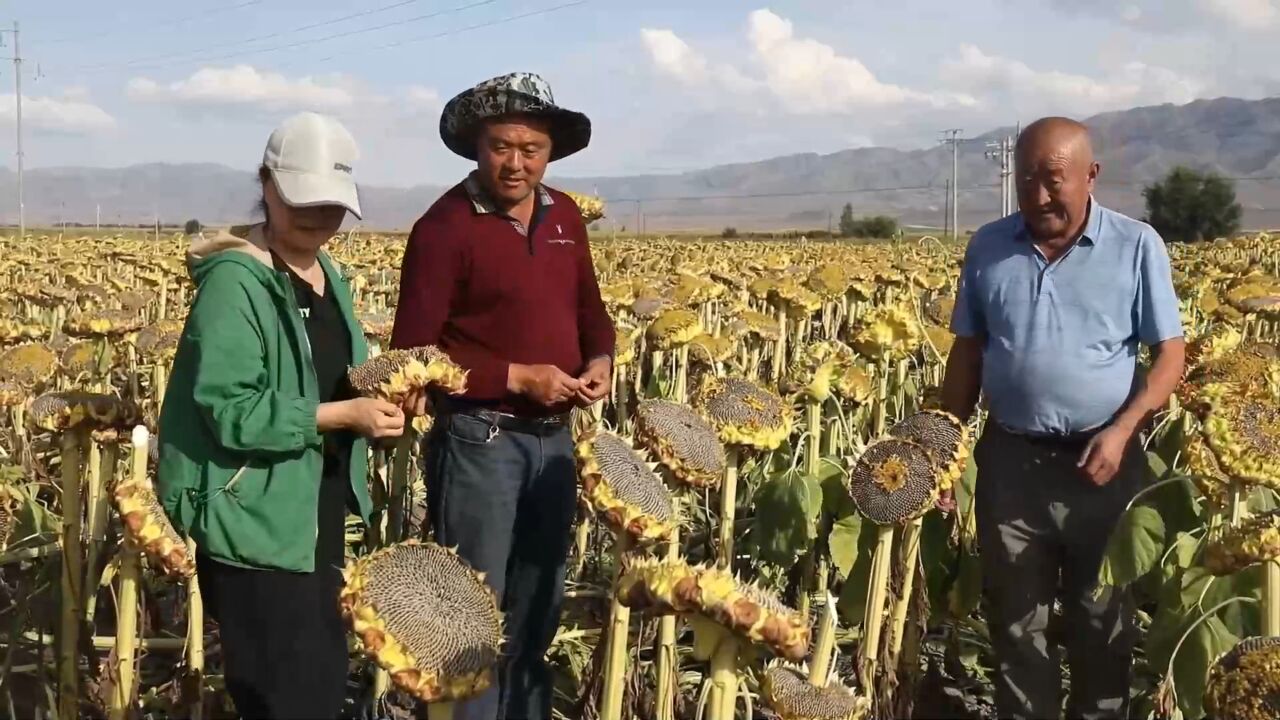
[(193, 227), (1189, 206), (786, 511), (853, 594), (729, 233), (875, 226), (1135, 547)]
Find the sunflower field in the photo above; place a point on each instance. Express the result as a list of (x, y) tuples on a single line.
[(776, 517)]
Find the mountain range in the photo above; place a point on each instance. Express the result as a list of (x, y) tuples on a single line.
[(1238, 138)]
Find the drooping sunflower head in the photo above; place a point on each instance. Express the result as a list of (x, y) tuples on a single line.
[(1255, 541), (148, 526), (395, 374), (682, 440), (888, 332), (100, 323), (427, 617), (1244, 684), (894, 481), (1242, 428), (789, 693), (621, 487), (747, 610), (590, 207), (30, 365), (744, 412), (943, 436), (58, 411), (674, 328)]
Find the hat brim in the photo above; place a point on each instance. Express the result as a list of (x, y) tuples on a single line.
[(302, 190), (463, 116)]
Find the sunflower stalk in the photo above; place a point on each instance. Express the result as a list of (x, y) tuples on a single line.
[(728, 506), (101, 483), (667, 676), (127, 600), (68, 641), (195, 638), (910, 549), (873, 619), (1271, 600), (724, 679), (399, 486), (616, 643)]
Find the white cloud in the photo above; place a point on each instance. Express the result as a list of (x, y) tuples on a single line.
[(813, 77), (1008, 81), (672, 56), (243, 85), (422, 99), (800, 75), (72, 113)]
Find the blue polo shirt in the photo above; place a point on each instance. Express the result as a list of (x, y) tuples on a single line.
[(1062, 338)]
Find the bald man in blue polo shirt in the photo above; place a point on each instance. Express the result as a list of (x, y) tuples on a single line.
[(1052, 306)]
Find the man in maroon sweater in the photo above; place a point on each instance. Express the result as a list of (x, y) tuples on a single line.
[(498, 273)]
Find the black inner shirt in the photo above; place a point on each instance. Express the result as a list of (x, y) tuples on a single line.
[(330, 340)]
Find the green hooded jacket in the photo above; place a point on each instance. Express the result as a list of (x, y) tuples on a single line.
[(240, 455)]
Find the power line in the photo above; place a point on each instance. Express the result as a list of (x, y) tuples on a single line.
[(468, 28), (172, 23), (982, 187), (147, 63)]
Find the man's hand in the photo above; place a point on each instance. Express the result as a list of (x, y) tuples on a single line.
[(946, 501), (1104, 454), (416, 404), (544, 384), (595, 381)]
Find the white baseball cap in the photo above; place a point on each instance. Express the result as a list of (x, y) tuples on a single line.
[(311, 156)]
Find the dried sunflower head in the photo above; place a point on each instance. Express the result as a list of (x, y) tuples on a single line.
[(789, 693), (619, 485), (744, 412), (1244, 684), (749, 611), (894, 482), (30, 365), (674, 328), (888, 332), (1255, 541), (427, 618), (682, 440), (943, 436), (1242, 428), (396, 374)]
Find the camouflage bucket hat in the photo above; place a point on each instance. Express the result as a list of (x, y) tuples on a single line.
[(523, 93)]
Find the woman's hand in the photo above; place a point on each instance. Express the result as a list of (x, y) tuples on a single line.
[(370, 417)]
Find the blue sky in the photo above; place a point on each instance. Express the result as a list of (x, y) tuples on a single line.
[(670, 84)]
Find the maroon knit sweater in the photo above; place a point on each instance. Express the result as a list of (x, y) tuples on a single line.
[(474, 284)]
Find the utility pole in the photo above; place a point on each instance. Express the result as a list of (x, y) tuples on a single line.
[(97, 218), (953, 139), (946, 211), (17, 98), (1002, 152)]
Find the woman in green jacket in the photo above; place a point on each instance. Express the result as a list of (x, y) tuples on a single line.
[(262, 446)]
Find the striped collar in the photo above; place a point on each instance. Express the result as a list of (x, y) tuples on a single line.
[(483, 204)]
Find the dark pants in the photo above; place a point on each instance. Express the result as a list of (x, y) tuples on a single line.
[(284, 644), (506, 501), (1043, 529)]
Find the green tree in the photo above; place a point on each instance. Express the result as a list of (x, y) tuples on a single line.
[(193, 227), (848, 226), (1189, 206), (729, 233)]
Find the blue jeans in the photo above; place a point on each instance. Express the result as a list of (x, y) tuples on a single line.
[(506, 501)]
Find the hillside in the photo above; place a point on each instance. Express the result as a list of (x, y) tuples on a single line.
[(1239, 138)]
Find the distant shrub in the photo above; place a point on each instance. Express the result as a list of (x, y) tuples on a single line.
[(729, 233)]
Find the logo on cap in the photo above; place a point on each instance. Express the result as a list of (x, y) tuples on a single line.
[(343, 168)]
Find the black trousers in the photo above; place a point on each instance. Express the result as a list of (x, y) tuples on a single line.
[(284, 643), (1043, 530), (506, 501)]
